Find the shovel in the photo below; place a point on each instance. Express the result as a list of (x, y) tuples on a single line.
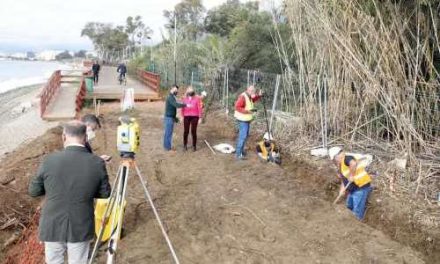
[(342, 194)]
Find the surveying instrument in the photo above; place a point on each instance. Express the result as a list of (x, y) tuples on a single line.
[(109, 213)]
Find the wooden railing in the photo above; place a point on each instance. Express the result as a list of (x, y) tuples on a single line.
[(49, 90), (150, 79), (80, 96)]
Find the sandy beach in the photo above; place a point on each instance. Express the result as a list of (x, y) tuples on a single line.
[(19, 118)]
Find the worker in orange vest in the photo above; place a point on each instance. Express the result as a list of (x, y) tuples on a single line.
[(244, 113), (354, 180)]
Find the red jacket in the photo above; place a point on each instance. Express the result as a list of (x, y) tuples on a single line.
[(240, 104)]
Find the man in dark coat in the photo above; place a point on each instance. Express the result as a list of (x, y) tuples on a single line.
[(95, 69), (170, 117), (70, 179)]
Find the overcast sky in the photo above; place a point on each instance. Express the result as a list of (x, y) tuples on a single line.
[(56, 24)]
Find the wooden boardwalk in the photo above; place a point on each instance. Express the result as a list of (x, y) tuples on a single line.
[(63, 105), (108, 87), (63, 95)]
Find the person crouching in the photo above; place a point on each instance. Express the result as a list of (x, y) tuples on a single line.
[(354, 179), (267, 150)]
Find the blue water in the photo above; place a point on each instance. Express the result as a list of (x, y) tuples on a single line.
[(15, 74)]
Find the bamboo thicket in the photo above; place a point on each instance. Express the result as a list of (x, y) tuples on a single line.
[(366, 77)]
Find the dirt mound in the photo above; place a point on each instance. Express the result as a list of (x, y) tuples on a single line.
[(28, 249), (412, 223), (16, 169), (218, 210)]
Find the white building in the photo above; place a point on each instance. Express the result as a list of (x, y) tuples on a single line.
[(19, 55), (48, 55), (91, 54)]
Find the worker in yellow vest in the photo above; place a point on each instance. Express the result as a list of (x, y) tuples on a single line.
[(267, 150), (244, 113), (354, 180)]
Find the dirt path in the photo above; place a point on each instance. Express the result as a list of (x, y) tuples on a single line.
[(217, 210)]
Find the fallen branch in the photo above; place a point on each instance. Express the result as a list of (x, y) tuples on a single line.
[(10, 223)]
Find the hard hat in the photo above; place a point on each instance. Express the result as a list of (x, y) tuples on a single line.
[(204, 93), (267, 136), (332, 152)]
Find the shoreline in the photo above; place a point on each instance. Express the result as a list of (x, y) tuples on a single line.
[(13, 98), (20, 90), (20, 117)]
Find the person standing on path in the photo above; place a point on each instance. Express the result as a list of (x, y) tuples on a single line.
[(191, 117), (354, 180), (70, 180), (244, 113), (170, 118), (95, 69)]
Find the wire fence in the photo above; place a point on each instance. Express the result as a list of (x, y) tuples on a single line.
[(294, 111)]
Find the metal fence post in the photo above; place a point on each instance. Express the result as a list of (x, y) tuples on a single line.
[(227, 90), (274, 103)]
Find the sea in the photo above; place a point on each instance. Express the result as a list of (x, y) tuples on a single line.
[(15, 74)]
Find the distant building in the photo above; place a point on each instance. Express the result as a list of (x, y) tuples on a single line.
[(18, 55), (48, 55), (91, 54)]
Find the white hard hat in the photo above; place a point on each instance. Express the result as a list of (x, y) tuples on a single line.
[(267, 136), (332, 152), (204, 93)]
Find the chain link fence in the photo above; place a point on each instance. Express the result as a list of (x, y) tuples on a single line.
[(224, 84)]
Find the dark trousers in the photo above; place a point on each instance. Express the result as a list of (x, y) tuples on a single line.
[(190, 121), (95, 77)]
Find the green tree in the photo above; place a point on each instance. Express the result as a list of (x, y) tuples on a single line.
[(223, 19), (80, 54), (105, 36), (137, 31), (65, 55), (189, 14)]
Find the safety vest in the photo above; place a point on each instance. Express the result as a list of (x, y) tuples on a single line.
[(264, 152), (361, 177), (249, 106)]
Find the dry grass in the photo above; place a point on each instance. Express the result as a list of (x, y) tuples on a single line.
[(365, 78)]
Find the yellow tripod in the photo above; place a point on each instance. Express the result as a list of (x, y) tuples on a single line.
[(114, 217)]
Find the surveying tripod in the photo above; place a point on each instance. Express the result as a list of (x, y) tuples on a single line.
[(117, 198)]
